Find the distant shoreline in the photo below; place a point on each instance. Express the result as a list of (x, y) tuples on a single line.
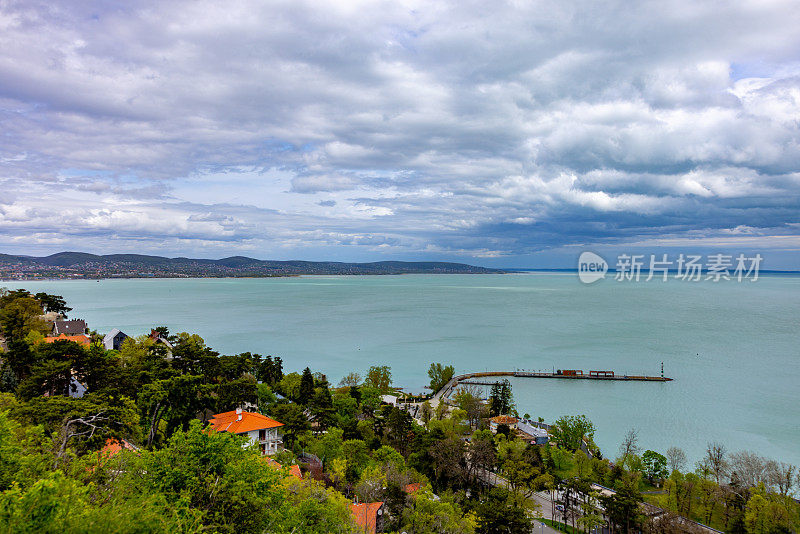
[(504, 271)]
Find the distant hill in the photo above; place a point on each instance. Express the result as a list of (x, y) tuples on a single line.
[(84, 265)]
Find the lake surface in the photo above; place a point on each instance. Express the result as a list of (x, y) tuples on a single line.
[(732, 348)]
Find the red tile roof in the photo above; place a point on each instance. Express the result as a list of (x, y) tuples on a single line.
[(81, 339), (114, 446), (230, 422), (505, 420), (294, 469), (412, 488), (366, 515)]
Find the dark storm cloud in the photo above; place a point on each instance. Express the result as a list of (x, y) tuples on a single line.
[(419, 128)]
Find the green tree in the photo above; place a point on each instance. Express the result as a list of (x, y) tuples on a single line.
[(294, 420), (176, 401), (440, 375), (354, 451), (622, 508), (351, 379), (569, 431), (53, 303), (211, 471), (21, 316), (266, 398), (289, 386), (321, 407), (655, 465), (315, 509), (306, 390), (469, 400), (501, 400), (499, 513), (20, 359), (270, 371), (380, 377), (428, 514), (231, 394)]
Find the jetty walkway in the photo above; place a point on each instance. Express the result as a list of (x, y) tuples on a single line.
[(479, 378)]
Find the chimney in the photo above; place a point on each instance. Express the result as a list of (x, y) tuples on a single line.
[(238, 414)]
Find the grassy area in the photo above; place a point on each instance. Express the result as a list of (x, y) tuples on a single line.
[(560, 526)]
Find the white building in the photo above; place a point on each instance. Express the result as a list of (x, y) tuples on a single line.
[(260, 429), (113, 340)]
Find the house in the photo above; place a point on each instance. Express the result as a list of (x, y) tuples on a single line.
[(294, 469), (115, 446), (156, 336), (368, 516), (76, 388), (69, 328), (113, 340), (260, 429), (391, 400), (507, 420), (81, 339), (412, 488), (532, 433), (112, 448)]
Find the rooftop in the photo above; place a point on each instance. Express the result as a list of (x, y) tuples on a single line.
[(504, 420), (81, 339), (366, 515), (238, 422), (294, 469)]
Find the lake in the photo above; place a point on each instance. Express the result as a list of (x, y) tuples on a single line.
[(732, 348)]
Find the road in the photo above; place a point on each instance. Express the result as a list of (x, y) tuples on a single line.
[(541, 499)]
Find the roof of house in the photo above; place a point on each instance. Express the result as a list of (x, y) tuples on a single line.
[(412, 488), (233, 423), (294, 469), (504, 420), (74, 326), (366, 515), (81, 339), (112, 334), (156, 336), (115, 446)]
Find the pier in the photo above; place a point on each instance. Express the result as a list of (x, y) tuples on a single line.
[(479, 378)]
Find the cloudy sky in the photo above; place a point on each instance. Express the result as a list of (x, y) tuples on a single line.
[(495, 133)]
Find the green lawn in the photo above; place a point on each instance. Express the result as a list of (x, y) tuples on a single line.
[(560, 526)]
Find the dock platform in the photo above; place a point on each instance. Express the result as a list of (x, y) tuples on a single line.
[(479, 378)]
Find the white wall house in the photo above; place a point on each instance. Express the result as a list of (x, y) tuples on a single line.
[(259, 429)]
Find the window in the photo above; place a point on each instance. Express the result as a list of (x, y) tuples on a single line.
[(262, 435)]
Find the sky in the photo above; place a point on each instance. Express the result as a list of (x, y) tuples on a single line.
[(514, 133)]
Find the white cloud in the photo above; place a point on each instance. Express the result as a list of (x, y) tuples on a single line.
[(447, 126)]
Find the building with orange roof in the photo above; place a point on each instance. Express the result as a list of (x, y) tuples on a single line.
[(294, 469), (368, 516), (115, 446), (260, 429), (412, 488), (507, 420), (112, 448), (81, 339)]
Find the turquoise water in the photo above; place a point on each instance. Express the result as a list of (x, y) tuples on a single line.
[(731, 347)]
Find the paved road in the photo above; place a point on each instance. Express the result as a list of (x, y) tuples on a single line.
[(541, 499)]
